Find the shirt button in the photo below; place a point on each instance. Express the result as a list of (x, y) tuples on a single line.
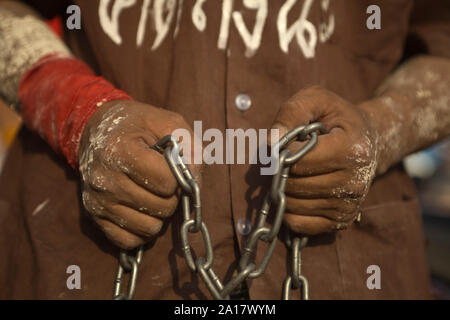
[(243, 102)]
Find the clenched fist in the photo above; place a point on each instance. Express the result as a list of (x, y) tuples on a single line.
[(326, 188), (127, 187)]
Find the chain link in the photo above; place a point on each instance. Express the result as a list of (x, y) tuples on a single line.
[(295, 280), (193, 223), (127, 264)]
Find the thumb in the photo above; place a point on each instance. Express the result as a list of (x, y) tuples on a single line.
[(306, 106), (276, 132), (291, 115)]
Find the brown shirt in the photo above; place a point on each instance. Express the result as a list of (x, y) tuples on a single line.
[(195, 57)]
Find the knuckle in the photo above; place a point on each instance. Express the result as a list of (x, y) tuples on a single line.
[(294, 105), (94, 205), (98, 182), (311, 92), (165, 210), (164, 186), (177, 118), (114, 155), (314, 89), (90, 203), (86, 198)]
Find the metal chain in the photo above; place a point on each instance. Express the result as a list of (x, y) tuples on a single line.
[(127, 263), (295, 280), (247, 268)]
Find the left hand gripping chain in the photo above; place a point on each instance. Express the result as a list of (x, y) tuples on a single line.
[(191, 197)]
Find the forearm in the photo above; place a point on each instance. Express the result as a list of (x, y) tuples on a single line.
[(411, 110), (54, 92), (25, 38)]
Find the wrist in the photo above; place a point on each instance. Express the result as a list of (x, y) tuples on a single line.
[(385, 115), (58, 96), (92, 122)]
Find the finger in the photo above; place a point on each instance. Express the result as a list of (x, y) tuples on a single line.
[(276, 132), (337, 184), (134, 221), (310, 105), (294, 113), (312, 225), (118, 236), (132, 195), (190, 143), (148, 168), (333, 209), (328, 155), (91, 203)]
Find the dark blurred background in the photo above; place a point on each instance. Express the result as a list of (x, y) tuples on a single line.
[(430, 170)]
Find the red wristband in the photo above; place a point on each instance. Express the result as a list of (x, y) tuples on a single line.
[(58, 95)]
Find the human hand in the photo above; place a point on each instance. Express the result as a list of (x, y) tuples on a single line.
[(127, 187), (327, 186)]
